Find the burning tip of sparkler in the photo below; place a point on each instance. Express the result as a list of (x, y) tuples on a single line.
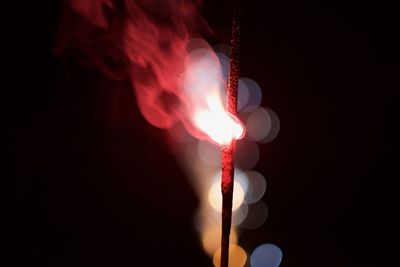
[(204, 90), (221, 126)]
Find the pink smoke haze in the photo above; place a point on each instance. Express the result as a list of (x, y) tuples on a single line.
[(174, 77)]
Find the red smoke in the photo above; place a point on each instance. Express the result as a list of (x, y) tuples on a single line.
[(144, 40)]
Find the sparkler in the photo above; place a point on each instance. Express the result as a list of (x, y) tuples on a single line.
[(228, 150), (197, 91)]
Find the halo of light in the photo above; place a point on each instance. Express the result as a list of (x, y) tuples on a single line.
[(239, 189), (255, 95), (247, 154), (239, 176), (204, 71), (266, 255), (211, 238), (256, 216), (274, 129), (237, 256), (257, 186), (243, 95), (224, 62), (208, 153), (258, 124), (203, 87), (240, 214), (215, 197)]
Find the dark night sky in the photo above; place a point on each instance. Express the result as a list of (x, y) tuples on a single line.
[(92, 184)]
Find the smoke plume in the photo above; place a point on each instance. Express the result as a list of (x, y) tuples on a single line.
[(141, 40)]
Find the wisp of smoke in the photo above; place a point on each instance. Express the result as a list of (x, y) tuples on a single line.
[(143, 40)]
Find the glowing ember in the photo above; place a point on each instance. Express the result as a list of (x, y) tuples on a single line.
[(203, 87), (219, 125)]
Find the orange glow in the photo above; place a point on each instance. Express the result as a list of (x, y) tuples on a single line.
[(218, 124), (237, 256), (211, 238)]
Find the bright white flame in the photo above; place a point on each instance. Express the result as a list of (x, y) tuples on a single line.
[(221, 127), (203, 88)]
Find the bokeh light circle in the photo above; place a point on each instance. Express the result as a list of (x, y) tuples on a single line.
[(240, 214), (211, 238), (203, 71), (247, 154), (258, 124), (243, 95), (224, 62), (215, 196), (241, 183), (262, 125), (266, 255), (237, 256), (275, 127), (197, 43), (255, 95), (256, 216), (256, 187)]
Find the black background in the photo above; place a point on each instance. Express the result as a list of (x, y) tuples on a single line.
[(92, 184)]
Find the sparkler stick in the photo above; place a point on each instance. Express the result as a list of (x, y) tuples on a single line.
[(228, 151)]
